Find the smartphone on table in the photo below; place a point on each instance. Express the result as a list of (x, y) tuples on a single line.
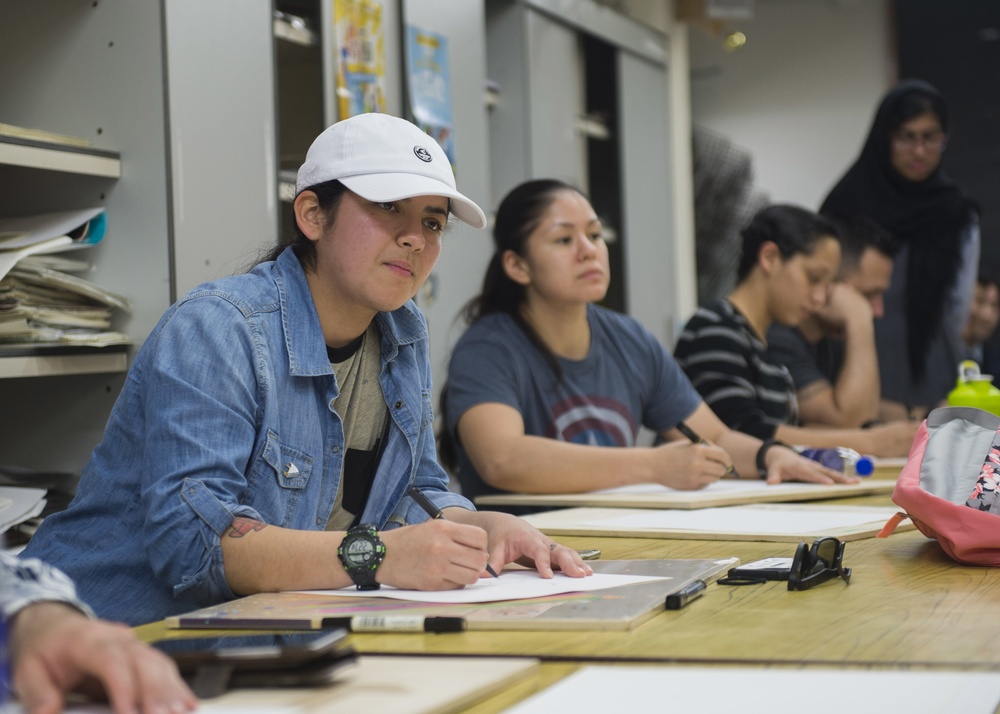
[(211, 665)]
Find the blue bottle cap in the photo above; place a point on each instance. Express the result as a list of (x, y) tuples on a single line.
[(864, 466)]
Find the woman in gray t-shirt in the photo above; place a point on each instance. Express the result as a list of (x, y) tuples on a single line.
[(545, 383)]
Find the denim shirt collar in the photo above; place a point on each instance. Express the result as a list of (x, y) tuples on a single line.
[(304, 341)]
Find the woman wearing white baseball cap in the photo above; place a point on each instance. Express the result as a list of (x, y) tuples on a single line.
[(274, 424)]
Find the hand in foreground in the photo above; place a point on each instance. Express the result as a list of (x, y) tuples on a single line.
[(783, 464), (511, 539), (688, 467), (55, 650), (433, 555)]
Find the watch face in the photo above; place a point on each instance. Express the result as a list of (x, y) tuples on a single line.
[(360, 551)]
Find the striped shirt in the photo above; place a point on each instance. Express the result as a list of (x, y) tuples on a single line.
[(27, 581), (734, 373)]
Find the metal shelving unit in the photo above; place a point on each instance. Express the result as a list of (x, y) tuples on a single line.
[(44, 361)]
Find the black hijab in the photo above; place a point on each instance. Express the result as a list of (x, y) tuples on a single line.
[(928, 216)]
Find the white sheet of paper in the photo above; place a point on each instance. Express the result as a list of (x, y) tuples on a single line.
[(600, 689), (745, 519), (511, 585), (10, 258), (723, 486), (21, 503), (22, 231)]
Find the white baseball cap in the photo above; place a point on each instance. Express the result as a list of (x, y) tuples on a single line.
[(385, 158)]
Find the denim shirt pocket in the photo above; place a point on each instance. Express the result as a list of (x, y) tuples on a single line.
[(289, 467)]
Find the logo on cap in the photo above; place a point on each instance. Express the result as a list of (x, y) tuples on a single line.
[(422, 153)]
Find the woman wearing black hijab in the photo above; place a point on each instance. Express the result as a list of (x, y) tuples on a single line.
[(898, 182)]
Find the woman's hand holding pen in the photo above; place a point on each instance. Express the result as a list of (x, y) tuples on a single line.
[(691, 463), (688, 467), (437, 554)]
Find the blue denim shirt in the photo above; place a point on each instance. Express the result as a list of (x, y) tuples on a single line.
[(228, 411)]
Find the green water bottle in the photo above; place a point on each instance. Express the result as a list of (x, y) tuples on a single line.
[(974, 389)]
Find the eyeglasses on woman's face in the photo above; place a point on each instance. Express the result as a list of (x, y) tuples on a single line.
[(935, 141)]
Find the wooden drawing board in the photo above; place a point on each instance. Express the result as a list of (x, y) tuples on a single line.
[(728, 492), (775, 522), (402, 685), (888, 467), (619, 608)]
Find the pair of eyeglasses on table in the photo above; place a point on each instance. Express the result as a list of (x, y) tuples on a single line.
[(816, 564)]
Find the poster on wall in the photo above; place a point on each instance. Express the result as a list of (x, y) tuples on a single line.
[(430, 86), (360, 47)]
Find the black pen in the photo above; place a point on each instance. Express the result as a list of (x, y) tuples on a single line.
[(396, 623), (693, 437), (434, 512), (690, 433), (677, 600)]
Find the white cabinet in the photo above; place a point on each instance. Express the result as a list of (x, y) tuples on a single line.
[(177, 99)]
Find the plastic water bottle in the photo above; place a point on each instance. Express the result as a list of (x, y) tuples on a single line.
[(840, 458)]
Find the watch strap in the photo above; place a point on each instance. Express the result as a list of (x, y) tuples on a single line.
[(762, 455)]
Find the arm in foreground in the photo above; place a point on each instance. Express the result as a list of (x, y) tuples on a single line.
[(56, 649)]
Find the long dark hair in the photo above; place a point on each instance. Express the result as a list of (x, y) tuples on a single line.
[(328, 195), (518, 216), (793, 229)]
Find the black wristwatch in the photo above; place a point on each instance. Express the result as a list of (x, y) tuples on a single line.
[(361, 552), (762, 453)]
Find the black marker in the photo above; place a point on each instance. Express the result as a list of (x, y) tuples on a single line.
[(434, 512), (677, 600), (396, 623)]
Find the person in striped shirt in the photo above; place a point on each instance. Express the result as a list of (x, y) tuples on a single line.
[(790, 259)]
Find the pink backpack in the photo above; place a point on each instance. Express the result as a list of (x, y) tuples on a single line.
[(949, 486)]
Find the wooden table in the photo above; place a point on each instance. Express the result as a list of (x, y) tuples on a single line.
[(908, 605)]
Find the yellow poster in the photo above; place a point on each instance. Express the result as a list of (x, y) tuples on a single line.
[(360, 48)]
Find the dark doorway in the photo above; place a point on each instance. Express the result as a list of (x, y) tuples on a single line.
[(955, 45), (604, 157)]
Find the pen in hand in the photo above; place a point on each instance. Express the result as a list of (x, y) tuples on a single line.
[(694, 438), (690, 433), (434, 512)]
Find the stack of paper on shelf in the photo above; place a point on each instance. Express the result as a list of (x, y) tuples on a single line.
[(57, 487), (40, 303), (21, 236), (19, 504)]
